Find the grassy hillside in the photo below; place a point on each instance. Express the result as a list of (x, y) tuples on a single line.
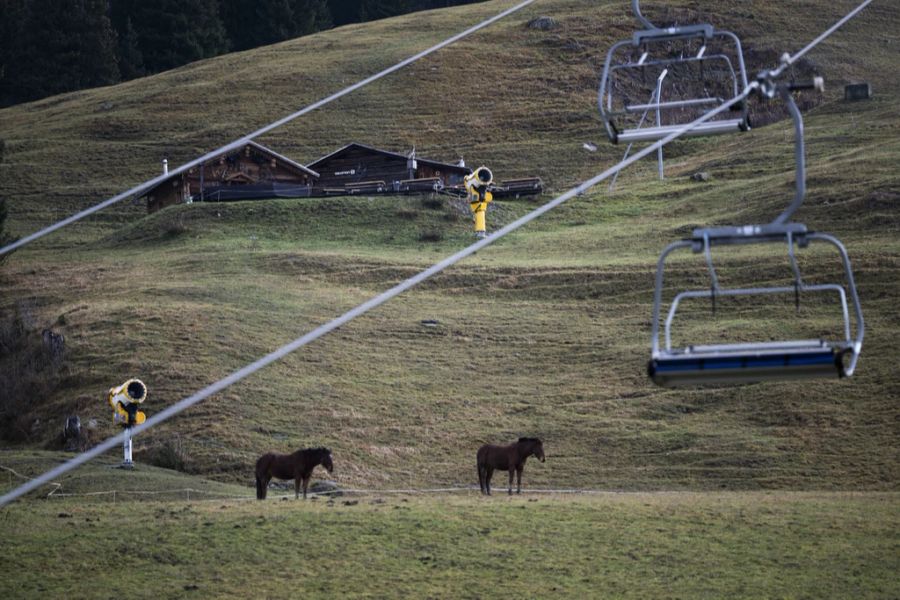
[(546, 333), (103, 481)]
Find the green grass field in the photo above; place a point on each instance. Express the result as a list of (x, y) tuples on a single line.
[(764, 490), (612, 545)]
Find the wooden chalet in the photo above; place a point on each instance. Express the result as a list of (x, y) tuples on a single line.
[(256, 172), (250, 172), (357, 168)]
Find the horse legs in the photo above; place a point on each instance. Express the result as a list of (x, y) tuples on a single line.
[(262, 486), (305, 485), (297, 481), (519, 479), (488, 473), (512, 471), (480, 478)]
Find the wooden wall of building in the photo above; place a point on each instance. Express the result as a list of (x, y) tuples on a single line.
[(246, 166), (359, 164), (242, 167)]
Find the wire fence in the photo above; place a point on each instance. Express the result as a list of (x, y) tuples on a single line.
[(190, 494), (197, 495)]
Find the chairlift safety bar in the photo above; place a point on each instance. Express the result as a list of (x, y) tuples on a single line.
[(634, 108)]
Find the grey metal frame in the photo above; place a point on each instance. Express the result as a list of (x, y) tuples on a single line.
[(851, 342), (658, 35), (778, 231)]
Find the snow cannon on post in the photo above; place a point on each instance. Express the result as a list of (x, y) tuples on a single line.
[(124, 400), (477, 188)]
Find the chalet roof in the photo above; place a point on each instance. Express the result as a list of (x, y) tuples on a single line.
[(259, 148), (281, 158), (355, 145)]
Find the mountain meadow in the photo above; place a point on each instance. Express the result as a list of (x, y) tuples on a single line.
[(774, 489)]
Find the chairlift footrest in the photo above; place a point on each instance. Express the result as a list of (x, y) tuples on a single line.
[(654, 134)]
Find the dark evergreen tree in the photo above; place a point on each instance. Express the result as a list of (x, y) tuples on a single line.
[(357, 11), (12, 17), (371, 10), (63, 45), (5, 238), (310, 16), (53, 46), (131, 61), (97, 42), (170, 33), (344, 11), (252, 23)]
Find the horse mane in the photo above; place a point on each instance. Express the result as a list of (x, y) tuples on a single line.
[(529, 439), (317, 451)]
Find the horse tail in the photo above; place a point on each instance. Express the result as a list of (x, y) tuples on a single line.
[(480, 460), (262, 476)]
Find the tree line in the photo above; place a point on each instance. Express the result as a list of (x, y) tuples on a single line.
[(49, 47)]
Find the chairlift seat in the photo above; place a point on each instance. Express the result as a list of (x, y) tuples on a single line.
[(747, 363), (653, 134)]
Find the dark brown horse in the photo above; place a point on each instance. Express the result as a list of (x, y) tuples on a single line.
[(507, 458), (297, 466)]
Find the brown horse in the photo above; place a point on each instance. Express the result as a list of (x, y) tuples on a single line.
[(511, 458), (297, 466)]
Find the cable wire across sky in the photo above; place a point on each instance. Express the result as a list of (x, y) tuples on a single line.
[(398, 289)]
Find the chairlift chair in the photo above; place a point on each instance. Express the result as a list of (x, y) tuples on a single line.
[(766, 360), (645, 73), (755, 361)]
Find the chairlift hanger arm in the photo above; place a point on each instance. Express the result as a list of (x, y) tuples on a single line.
[(799, 146), (658, 32), (636, 7)]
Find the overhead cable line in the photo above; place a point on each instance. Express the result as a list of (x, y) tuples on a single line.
[(788, 60), (150, 183), (365, 307)]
